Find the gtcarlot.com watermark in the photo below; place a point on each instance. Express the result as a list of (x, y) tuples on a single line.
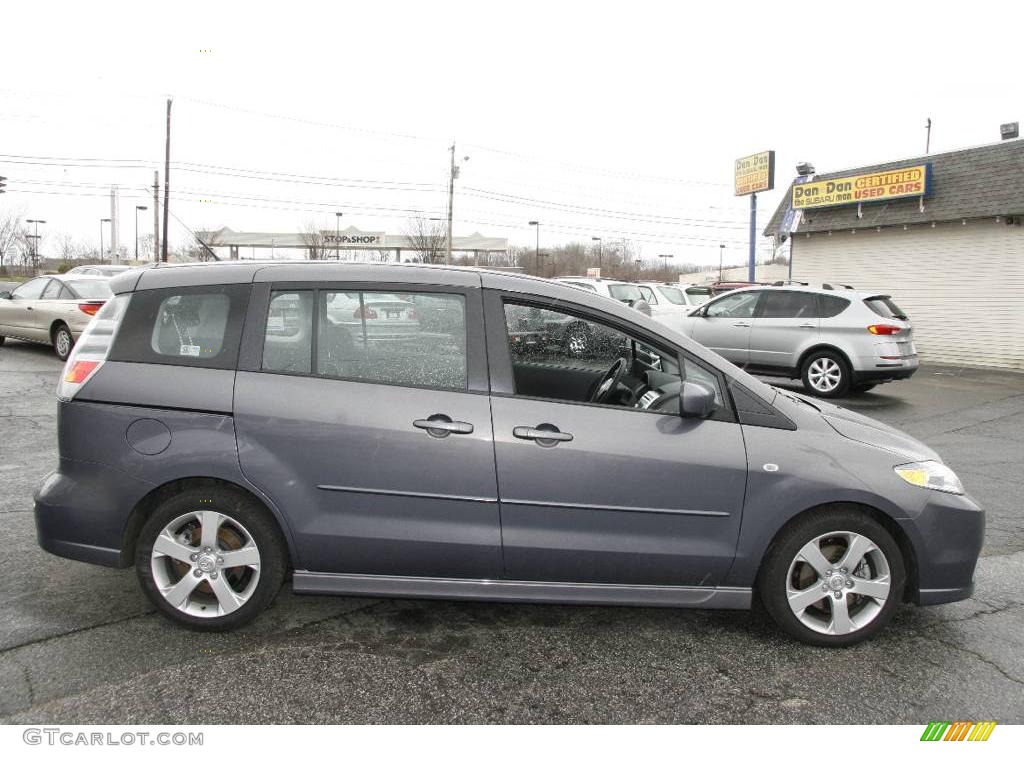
[(70, 737)]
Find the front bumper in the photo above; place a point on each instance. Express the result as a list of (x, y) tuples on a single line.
[(946, 537)]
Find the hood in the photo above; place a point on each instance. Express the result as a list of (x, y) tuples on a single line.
[(864, 429)]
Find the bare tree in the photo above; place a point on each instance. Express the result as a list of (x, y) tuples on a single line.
[(10, 227), (427, 238), (315, 241)]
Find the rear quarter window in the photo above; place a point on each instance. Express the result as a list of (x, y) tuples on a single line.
[(197, 326), (831, 306)]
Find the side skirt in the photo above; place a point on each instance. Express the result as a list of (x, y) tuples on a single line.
[(504, 590)]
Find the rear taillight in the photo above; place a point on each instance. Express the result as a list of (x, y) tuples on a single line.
[(884, 330), (80, 371), (364, 313), (93, 345), (91, 307)]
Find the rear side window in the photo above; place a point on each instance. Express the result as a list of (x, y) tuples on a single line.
[(648, 295), (883, 306), (195, 326), (831, 306), (782, 304), (414, 340), (52, 290)]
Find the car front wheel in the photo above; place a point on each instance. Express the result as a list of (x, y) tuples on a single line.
[(835, 578), (826, 374), (210, 558)]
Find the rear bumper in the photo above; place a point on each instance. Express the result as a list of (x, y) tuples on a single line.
[(947, 537), (876, 369), (81, 511)]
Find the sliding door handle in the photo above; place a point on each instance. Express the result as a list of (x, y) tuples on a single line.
[(440, 425), (544, 434)]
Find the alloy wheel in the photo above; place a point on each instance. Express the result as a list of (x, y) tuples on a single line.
[(205, 564), (838, 583), (62, 343), (824, 374)]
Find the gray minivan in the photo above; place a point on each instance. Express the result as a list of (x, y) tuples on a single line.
[(223, 425)]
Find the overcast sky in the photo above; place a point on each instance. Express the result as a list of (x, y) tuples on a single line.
[(618, 120)]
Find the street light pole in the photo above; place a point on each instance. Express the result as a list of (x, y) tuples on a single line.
[(721, 256), (137, 209), (536, 252), (102, 222), (600, 252), (666, 256), (337, 235)]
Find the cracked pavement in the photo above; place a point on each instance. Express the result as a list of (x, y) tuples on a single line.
[(79, 643)]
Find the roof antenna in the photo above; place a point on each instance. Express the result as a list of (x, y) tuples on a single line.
[(928, 140)]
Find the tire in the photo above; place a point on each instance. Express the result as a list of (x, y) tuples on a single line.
[(866, 387), (221, 597), (577, 341), (826, 374), (788, 581), (63, 341)]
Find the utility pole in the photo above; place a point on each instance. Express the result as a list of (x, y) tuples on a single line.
[(167, 181), (721, 256), (451, 200), (928, 136), (600, 252), (156, 215)]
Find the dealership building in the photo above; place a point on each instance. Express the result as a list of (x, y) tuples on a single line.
[(942, 234)]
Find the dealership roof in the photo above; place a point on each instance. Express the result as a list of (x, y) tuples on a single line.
[(968, 183)]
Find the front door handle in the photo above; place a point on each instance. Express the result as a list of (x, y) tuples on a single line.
[(809, 326), (441, 425), (545, 435), (742, 324)]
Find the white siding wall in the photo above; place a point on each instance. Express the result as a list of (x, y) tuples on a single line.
[(962, 286)]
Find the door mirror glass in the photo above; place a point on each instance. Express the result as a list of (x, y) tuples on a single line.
[(696, 400), (5, 294)]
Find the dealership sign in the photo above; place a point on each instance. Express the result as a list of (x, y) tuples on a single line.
[(755, 173), (913, 181)]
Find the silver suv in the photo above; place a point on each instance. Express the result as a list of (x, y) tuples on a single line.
[(836, 341)]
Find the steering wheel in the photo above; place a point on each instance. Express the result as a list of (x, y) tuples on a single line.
[(608, 384)]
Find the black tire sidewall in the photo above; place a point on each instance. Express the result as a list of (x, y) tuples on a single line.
[(772, 579), (844, 368), (71, 341), (255, 518)]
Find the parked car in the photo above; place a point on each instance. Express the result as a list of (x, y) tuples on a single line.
[(52, 309), (662, 475), (575, 336), (628, 293), (671, 302), (833, 340), (99, 270)]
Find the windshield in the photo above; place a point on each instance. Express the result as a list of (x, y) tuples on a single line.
[(624, 292), (91, 289), (672, 294)]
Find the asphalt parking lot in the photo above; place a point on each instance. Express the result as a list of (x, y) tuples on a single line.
[(79, 643)]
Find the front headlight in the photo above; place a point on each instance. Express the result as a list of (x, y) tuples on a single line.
[(930, 474)]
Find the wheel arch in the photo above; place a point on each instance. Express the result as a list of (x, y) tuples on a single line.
[(822, 347), (148, 504), (910, 590), (57, 324)]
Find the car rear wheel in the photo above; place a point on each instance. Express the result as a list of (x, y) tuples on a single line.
[(835, 578), (63, 341), (826, 374), (210, 559)]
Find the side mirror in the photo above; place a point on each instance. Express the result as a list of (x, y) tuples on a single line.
[(5, 294), (696, 400)]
